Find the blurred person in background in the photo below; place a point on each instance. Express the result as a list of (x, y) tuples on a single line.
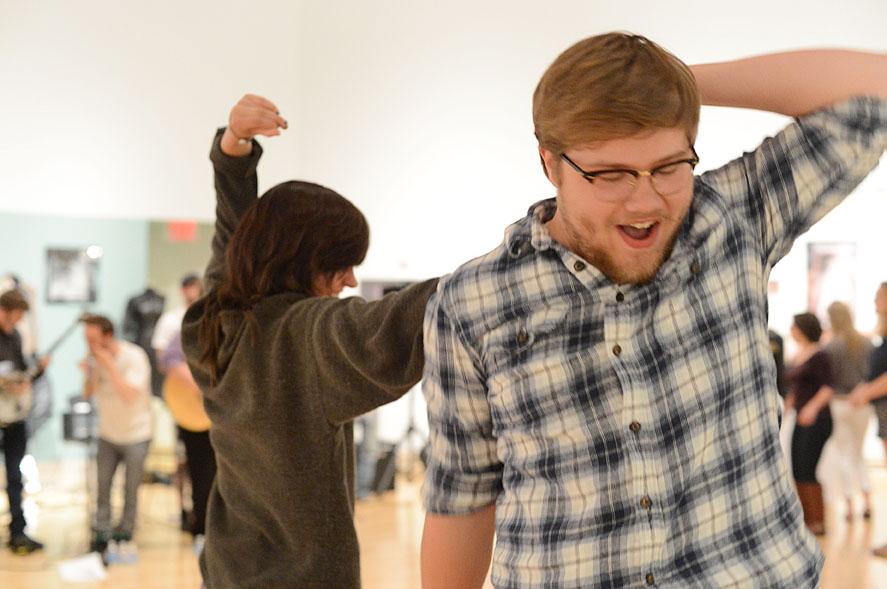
[(118, 374), (169, 325), (185, 402), (809, 384), (874, 391), (849, 352), (16, 387)]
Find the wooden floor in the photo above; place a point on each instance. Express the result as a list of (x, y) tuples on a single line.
[(389, 527)]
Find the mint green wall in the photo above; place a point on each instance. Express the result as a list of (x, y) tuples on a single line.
[(169, 260), (123, 271)]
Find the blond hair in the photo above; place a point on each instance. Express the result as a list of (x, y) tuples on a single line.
[(841, 319), (611, 86)]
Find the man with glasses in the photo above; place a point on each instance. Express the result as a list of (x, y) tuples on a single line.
[(600, 387)]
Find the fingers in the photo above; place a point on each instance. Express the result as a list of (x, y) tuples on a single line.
[(264, 102), (254, 115)]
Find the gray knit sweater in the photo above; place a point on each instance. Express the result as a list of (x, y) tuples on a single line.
[(280, 512)]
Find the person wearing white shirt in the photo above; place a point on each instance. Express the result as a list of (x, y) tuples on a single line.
[(118, 374)]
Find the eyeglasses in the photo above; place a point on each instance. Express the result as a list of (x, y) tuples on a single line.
[(615, 184)]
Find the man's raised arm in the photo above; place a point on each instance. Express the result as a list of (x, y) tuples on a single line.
[(793, 83)]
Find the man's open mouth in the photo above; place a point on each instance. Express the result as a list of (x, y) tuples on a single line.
[(639, 235)]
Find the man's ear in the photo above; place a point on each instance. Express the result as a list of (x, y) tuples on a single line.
[(550, 163)]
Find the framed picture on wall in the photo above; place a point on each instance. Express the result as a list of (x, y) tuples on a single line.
[(71, 275), (831, 275)]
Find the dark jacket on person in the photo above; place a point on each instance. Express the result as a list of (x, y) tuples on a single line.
[(281, 510)]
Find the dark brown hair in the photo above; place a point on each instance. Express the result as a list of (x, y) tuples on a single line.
[(103, 323), (294, 233), (13, 300), (808, 325)]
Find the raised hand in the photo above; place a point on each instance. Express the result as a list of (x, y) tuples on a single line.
[(103, 357), (252, 115)]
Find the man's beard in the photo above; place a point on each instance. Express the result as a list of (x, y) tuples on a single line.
[(639, 273)]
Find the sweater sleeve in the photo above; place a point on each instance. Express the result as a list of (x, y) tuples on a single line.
[(368, 353), (236, 185)]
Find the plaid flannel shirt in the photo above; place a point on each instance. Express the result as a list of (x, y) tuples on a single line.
[(628, 434)]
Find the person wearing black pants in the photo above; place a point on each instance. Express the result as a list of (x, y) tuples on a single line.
[(16, 391), (201, 465), (15, 440), (809, 394), (185, 402)]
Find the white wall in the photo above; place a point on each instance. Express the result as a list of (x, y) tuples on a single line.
[(417, 110), (108, 107)]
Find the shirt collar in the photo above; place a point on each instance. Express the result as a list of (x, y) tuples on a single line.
[(530, 235)]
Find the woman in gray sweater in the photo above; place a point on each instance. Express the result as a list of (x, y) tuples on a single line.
[(285, 366)]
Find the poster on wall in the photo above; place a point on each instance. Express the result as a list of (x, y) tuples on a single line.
[(71, 275), (831, 275)]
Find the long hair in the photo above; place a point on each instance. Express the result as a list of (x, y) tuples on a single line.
[(294, 233), (841, 320)]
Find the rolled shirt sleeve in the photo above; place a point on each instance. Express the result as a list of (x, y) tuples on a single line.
[(794, 178), (464, 472)]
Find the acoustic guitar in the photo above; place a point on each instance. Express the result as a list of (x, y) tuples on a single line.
[(13, 407)]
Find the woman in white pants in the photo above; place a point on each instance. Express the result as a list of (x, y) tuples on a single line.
[(874, 391), (849, 353)]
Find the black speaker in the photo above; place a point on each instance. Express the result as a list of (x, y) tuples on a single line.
[(81, 423)]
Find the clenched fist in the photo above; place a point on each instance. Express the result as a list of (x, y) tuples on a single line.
[(251, 116)]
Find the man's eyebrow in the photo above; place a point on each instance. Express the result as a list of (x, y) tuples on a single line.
[(677, 155)]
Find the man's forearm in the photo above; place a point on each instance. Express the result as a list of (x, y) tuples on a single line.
[(822, 398), (89, 382), (793, 83), (878, 388), (88, 389), (456, 549)]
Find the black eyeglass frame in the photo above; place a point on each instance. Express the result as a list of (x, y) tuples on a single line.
[(590, 175)]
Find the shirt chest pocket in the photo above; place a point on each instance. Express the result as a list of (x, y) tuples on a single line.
[(528, 375)]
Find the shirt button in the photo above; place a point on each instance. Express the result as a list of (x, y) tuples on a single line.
[(650, 580), (695, 268), (522, 337), (617, 350), (579, 266), (646, 503), (620, 297), (635, 427)]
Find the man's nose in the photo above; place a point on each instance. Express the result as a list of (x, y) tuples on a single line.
[(644, 196)]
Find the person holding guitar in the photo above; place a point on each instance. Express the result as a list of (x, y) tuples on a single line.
[(185, 402), (15, 400)]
